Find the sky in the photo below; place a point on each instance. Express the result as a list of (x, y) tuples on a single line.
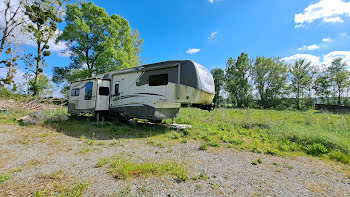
[(211, 31)]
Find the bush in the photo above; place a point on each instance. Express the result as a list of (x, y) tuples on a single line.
[(316, 149), (339, 156), (203, 147)]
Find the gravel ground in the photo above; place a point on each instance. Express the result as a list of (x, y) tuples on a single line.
[(39, 152)]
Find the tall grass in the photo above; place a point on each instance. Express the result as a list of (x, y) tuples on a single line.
[(272, 131)]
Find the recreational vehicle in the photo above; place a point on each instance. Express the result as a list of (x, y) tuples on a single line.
[(154, 92)]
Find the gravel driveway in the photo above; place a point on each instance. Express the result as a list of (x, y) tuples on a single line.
[(37, 159)]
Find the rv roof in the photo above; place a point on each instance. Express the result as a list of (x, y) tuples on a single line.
[(138, 68)]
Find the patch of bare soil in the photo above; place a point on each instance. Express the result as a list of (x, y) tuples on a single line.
[(36, 159)]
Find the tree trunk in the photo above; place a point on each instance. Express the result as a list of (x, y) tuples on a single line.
[(339, 98), (297, 100), (37, 71)]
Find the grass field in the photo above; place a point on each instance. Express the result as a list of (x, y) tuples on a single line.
[(293, 133)]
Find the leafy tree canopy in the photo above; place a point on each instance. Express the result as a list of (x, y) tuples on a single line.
[(97, 42)]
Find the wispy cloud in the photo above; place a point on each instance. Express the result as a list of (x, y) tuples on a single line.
[(330, 11), (327, 40), (192, 51), (309, 48), (211, 1), (212, 36), (323, 44)]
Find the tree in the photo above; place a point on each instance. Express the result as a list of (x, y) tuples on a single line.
[(10, 65), (300, 78), (270, 77), (98, 42), (39, 85), (219, 80), (237, 74), (339, 77), (321, 87), (11, 21), (44, 15)]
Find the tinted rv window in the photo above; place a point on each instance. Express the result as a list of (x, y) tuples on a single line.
[(158, 80), (104, 91), (88, 90), (116, 89), (75, 92)]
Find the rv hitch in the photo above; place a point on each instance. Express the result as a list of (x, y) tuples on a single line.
[(204, 107)]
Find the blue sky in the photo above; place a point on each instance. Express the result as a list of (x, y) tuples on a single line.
[(211, 31)]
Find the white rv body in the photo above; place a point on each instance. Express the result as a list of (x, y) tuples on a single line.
[(154, 92)]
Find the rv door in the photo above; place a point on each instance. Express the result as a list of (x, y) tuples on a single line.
[(89, 98), (102, 98), (116, 100)]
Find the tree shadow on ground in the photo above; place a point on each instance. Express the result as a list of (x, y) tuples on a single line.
[(84, 126)]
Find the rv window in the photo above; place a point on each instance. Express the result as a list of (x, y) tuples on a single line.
[(88, 90), (75, 92), (158, 80), (116, 90), (104, 91)]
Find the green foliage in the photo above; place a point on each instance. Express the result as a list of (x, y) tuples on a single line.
[(219, 81), (254, 162), (107, 42), (237, 80), (123, 168), (203, 146), (300, 73), (316, 149), (201, 176), (44, 15), (339, 77), (270, 77), (10, 95), (339, 156), (42, 86), (102, 162), (73, 190), (4, 178)]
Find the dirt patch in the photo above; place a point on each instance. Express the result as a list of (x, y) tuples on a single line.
[(36, 160)]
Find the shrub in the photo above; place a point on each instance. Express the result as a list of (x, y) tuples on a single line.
[(272, 151), (316, 149), (213, 144), (339, 156), (203, 147), (254, 162), (102, 162)]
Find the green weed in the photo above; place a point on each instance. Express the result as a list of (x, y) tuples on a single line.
[(102, 162), (123, 168)]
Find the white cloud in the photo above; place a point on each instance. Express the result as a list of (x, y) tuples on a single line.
[(192, 51), (327, 59), (60, 48), (211, 1), (327, 10), (327, 40), (333, 20), (316, 60), (309, 48), (212, 36)]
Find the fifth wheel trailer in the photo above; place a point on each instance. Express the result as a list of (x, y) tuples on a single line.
[(154, 92)]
